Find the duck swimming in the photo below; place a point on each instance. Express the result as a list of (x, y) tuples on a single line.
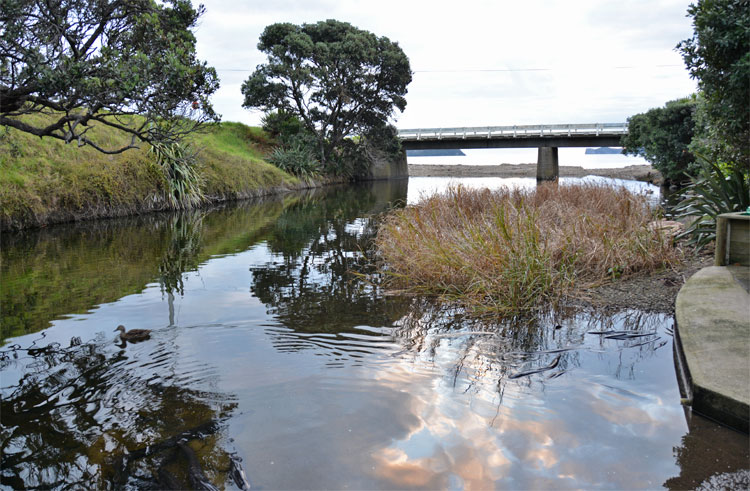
[(133, 335)]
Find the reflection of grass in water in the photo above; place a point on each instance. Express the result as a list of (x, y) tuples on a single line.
[(482, 355), (49, 273), (512, 251), (46, 274)]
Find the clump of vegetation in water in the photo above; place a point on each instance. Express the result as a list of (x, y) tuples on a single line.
[(512, 251)]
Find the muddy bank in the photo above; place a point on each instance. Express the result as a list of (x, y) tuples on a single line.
[(650, 293), (155, 202), (633, 172)]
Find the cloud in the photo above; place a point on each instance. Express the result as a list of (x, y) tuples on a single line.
[(604, 60)]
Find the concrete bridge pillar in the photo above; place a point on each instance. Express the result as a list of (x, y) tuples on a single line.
[(547, 168)]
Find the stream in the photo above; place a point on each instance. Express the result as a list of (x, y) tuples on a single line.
[(275, 363)]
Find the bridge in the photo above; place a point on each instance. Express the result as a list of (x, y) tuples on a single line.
[(547, 138)]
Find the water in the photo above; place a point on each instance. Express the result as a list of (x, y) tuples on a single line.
[(425, 186), (567, 156), (283, 368)]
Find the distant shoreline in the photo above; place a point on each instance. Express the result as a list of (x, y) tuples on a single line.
[(632, 172)]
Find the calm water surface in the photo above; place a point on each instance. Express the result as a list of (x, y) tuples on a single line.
[(277, 365)]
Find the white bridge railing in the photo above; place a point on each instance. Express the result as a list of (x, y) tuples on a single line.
[(516, 131)]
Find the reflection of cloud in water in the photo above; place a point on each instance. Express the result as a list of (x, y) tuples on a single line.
[(583, 429)]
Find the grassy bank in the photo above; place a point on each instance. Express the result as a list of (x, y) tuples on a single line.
[(45, 181), (511, 251)]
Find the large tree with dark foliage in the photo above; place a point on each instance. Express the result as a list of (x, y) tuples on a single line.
[(128, 64), (718, 56), (339, 80), (662, 136)]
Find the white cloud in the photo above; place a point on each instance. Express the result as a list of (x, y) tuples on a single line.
[(580, 44)]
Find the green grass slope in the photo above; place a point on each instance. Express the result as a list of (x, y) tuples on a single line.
[(44, 181)]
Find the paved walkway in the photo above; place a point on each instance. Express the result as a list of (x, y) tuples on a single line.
[(713, 335)]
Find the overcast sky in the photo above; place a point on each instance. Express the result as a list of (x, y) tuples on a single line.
[(479, 63)]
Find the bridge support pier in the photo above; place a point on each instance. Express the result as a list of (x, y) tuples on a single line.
[(547, 167)]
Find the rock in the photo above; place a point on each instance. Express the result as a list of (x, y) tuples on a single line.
[(668, 227), (727, 480)]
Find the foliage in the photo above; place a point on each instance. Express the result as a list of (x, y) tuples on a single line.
[(354, 156), (718, 56), (662, 136), (282, 125), (104, 61), (512, 252), (297, 157), (296, 150), (338, 79), (708, 141), (178, 162), (719, 188), (14, 149)]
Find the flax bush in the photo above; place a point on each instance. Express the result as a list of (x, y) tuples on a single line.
[(296, 157), (178, 162), (513, 251), (719, 188)]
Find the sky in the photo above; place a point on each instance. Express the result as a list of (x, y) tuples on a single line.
[(483, 63)]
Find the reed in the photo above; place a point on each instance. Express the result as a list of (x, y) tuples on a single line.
[(513, 251)]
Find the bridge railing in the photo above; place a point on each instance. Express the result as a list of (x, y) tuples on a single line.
[(515, 131)]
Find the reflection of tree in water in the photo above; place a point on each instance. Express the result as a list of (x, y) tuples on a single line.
[(84, 417), (49, 273), (319, 245), (705, 438)]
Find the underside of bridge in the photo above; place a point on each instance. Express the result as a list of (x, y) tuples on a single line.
[(547, 158)]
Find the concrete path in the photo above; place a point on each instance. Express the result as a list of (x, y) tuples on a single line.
[(713, 336)]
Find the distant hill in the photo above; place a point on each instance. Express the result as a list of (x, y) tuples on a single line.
[(603, 151), (450, 152)]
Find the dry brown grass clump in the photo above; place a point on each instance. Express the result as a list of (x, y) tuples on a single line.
[(513, 251)]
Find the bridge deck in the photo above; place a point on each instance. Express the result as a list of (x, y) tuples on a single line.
[(516, 131), (518, 136)]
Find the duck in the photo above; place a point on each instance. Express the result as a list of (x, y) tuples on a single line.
[(133, 335)]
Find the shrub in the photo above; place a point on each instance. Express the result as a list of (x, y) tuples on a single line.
[(662, 136), (178, 162), (719, 188), (297, 158), (282, 125)]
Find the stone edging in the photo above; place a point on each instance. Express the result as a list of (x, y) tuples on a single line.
[(712, 336)]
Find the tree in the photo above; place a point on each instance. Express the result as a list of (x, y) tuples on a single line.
[(662, 136), (339, 80), (718, 56), (128, 64)]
